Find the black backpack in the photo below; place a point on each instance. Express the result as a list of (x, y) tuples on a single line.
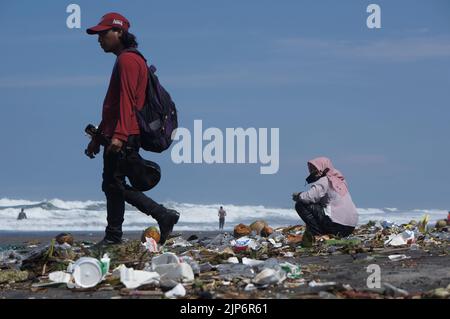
[(158, 118)]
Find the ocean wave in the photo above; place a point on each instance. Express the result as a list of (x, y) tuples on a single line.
[(61, 215)]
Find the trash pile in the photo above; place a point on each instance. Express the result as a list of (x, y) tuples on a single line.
[(252, 262)]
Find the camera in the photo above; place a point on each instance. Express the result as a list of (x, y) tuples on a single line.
[(92, 132)]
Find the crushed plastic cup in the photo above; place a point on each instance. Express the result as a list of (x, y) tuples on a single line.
[(59, 277), (269, 276), (87, 272), (405, 238), (134, 278), (168, 266), (177, 291)]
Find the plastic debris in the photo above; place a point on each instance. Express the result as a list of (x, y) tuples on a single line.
[(398, 257), (405, 238), (233, 260), (250, 287), (87, 272), (274, 243), (135, 278), (231, 271), (194, 265), (269, 276), (180, 242), (151, 245), (177, 291), (223, 266), (251, 262), (169, 267), (244, 243), (321, 286), (292, 271), (59, 277)]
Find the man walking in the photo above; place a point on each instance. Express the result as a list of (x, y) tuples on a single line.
[(127, 90), (222, 213)]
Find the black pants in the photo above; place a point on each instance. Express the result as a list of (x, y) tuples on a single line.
[(221, 222), (318, 223), (115, 167)]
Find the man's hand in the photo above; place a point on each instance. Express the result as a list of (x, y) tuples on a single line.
[(93, 148), (115, 146), (296, 196)]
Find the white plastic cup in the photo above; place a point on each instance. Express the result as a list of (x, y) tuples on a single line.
[(87, 272)]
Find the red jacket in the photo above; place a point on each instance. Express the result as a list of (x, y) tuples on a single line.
[(127, 89)]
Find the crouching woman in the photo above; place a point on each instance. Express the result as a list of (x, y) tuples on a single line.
[(327, 207)]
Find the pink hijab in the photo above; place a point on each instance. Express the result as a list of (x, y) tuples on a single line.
[(337, 180)]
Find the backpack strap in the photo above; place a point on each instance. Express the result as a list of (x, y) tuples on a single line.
[(134, 50)]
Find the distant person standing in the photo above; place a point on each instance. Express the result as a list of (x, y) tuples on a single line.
[(222, 213), (22, 215)]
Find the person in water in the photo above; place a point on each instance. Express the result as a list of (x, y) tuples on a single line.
[(22, 215), (327, 207)]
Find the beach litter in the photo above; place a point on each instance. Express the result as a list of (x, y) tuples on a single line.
[(405, 238), (168, 266), (151, 245), (224, 265), (292, 271), (135, 278), (269, 276), (177, 291), (87, 272), (398, 257)]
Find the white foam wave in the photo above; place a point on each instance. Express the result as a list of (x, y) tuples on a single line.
[(60, 215)]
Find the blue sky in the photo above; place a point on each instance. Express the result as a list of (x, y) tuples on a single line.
[(375, 101)]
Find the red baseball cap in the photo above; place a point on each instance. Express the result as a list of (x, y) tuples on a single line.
[(109, 21)]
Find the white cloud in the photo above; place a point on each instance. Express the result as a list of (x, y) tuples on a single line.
[(391, 49)]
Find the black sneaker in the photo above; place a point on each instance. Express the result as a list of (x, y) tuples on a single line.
[(166, 223), (107, 242)]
